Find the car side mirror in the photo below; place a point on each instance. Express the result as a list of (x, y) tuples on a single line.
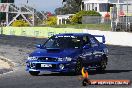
[(87, 46), (38, 46)]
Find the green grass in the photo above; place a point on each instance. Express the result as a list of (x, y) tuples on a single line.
[(103, 27)]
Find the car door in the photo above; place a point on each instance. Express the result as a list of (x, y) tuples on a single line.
[(87, 52), (97, 51)]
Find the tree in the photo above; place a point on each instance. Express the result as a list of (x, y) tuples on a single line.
[(20, 23), (52, 20), (77, 1), (70, 7), (60, 11)]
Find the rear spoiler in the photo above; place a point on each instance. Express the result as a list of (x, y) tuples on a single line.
[(100, 36)]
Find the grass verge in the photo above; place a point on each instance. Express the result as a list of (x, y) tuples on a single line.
[(103, 27)]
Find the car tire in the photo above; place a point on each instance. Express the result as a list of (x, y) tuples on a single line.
[(78, 67), (34, 73), (102, 64)]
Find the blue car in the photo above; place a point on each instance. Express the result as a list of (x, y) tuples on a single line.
[(69, 52)]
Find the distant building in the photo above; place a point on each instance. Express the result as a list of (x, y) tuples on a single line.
[(63, 19), (104, 6)]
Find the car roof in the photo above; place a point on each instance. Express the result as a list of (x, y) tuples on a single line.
[(72, 34)]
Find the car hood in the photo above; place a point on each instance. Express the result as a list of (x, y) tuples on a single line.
[(55, 52)]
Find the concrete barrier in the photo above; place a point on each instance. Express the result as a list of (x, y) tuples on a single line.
[(41, 32), (113, 38)]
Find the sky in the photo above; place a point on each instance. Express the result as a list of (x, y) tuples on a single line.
[(42, 5)]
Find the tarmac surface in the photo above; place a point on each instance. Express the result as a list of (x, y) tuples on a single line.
[(17, 49)]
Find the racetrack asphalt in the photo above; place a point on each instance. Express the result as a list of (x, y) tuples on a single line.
[(17, 49)]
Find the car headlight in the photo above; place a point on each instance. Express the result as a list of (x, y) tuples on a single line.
[(65, 59), (32, 58)]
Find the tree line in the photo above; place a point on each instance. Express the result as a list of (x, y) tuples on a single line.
[(69, 7)]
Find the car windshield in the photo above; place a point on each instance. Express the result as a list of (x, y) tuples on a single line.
[(63, 42)]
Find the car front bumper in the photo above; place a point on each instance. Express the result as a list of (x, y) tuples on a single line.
[(50, 66)]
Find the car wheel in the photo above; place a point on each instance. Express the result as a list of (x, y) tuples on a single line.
[(34, 73), (103, 64), (78, 67)]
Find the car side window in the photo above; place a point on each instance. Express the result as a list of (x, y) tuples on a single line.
[(86, 40), (93, 41)]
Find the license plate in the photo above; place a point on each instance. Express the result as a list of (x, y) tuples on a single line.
[(46, 65)]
